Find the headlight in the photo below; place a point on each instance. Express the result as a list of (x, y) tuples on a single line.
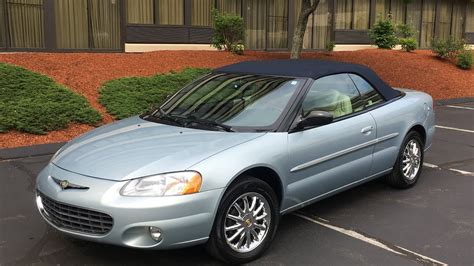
[(171, 184)]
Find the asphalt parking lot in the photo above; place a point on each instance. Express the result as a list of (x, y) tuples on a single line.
[(432, 223)]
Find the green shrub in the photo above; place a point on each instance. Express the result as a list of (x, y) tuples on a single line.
[(406, 37), (408, 44), (33, 103), (228, 32), (383, 34), (448, 48), (125, 97), (464, 59), (330, 46), (405, 30), (237, 48)]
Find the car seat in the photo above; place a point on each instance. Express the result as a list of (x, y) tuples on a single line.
[(331, 101)]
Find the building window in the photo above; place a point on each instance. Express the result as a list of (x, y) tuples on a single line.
[(163, 12), (71, 24), (255, 24), (344, 14), (266, 25), (321, 25), (140, 12), (277, 24), (382, 8), (413, 17), (105, 24), (233, 7), (352, 14), (201, 12), (459, 7), (82, 24), (427, 24), (361, 14), (470, 17), (25, 20), (2, 26), (444, 19), (317, 32), (396, 8), (171, 12)]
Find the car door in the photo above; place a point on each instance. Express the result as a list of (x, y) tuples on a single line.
[(333, 156), (386, 148)]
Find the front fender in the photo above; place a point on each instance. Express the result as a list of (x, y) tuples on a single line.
[(270, 151)]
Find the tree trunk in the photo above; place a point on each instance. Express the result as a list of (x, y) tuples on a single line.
[(298, 37)]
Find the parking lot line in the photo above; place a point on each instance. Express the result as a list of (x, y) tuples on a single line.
[(429, 165), (462, 172), (434, 166), (460, 107), (370, 240), (454, 128)]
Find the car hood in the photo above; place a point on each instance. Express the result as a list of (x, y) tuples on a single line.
[(134, 148)]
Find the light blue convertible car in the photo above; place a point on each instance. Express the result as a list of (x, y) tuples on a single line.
[(221, 160)]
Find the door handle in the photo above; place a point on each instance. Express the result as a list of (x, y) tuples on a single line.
[(367, 130)]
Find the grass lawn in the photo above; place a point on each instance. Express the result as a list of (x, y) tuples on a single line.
[(34, 103), (125, 97)]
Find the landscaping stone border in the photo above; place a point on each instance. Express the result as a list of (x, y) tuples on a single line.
[(454, 101), (30, 151)]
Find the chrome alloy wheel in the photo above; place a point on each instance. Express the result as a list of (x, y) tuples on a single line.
[(247, 222), (411, 159)]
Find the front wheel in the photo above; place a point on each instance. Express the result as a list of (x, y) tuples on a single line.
[(407, 168), (246, 222)]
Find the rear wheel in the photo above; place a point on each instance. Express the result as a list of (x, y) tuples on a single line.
[(407, 168), (246, 222)]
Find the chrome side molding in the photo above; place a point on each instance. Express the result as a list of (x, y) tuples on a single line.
[(343, 152)]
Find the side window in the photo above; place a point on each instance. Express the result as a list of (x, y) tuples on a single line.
[(368, 93), (335, 94)]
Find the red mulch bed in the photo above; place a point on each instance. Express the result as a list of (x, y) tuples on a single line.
[(85, 72)]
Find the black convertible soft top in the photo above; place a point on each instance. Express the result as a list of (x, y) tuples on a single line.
[(310, 69)]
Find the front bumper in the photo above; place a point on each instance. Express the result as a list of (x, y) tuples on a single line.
[(183, 220)]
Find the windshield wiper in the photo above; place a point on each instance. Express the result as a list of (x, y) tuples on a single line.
[(185, 120), (193, 119), (160, 114)]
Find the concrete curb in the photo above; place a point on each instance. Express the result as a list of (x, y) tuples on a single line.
[(30, 151), (453, 101)]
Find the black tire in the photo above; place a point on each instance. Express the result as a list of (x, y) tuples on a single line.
[(397, 178), (217, 245)]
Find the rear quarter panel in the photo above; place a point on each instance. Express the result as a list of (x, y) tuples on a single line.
[(400, 116)]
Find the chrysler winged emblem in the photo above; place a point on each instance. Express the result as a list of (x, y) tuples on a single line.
[(64, 184)]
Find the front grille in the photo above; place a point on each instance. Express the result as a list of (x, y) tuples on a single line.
[(76, 219)]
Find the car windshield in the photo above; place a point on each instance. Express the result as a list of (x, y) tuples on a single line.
[(232, 101)]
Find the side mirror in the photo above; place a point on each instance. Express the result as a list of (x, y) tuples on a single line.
[(314, 119)]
